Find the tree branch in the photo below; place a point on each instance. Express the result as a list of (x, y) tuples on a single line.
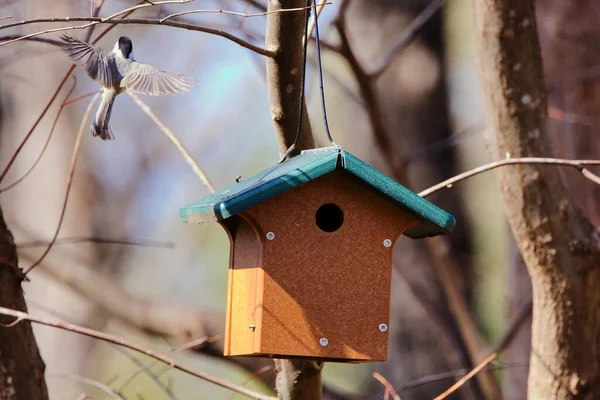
[(509, 335), (407, 36), (171, 136), (76, 147), (106, 337), (140, 21), (577, 164)]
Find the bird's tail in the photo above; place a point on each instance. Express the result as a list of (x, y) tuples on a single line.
[(100, 126)]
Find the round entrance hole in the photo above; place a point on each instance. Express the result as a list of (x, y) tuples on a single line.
[(329, 217)]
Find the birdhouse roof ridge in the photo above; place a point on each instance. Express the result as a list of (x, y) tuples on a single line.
[(305, 167)]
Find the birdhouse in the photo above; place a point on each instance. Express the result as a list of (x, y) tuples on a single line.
[(311, 256)]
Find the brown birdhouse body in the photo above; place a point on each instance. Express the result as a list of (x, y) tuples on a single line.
[(310, 269)]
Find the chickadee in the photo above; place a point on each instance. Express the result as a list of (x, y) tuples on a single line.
[(117, 71)]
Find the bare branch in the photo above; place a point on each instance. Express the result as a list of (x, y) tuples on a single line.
[(521, 317), (244, 15), (105, 388), (184, 152), (35, 124), (388, 387), (252, 377), (140, 21), (577, 164), (95, 11), (82, 128), (100, 240), (407, 36), (366, 85), (39, 157), (106, 337), (312, 23)]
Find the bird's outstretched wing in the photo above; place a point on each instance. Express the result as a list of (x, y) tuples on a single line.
[(146, 79), (98, 62)]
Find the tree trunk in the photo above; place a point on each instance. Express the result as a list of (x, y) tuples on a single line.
[(552, 232), (21, 367), (296, 380)]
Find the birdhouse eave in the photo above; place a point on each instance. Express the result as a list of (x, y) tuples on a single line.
[(304, 168)]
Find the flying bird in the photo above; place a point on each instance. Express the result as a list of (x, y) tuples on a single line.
[(117, 71)]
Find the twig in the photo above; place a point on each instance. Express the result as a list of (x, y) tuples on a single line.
[(105, 388), (123, 343), (388, 387), (82, 128), (521, 317), (5, 17), (311, 24), (252, 377), (171, 136), (366, 85), (408, 35), (240, 14), (150, 364), (95, 11), (577, 164), (450, 374), (148, 371), (101, 240), (39, 157), (138, 21), (35, 124)]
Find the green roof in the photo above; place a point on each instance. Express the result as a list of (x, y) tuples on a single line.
[(309, 165)]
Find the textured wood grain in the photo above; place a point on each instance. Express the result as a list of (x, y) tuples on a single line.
[(307, 284)]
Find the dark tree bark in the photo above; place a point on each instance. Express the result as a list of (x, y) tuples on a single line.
[(554, 235), (21, 367)]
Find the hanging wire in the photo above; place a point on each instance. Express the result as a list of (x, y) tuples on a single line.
[(321, 76), (302, 88)]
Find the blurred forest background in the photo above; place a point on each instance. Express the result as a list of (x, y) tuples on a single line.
[(419, 121)]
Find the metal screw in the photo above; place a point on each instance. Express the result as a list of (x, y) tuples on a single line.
[(270, 235), (382, 327), (252, 326), (387, 243), (323, 341)]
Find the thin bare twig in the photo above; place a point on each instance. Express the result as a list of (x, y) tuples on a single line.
[(100, 240), (150, 364), (123, 343), (111, 20), (35, 124), (39, 157), (184, 152), (76, 148), (142, 21), (165, 388), (252, 377), (5, 17), (407, 36), (240, 14), (95, 11), (105, 388), (451, 374), (577, 164), (311, 24), (388, 386), (510, 334)]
